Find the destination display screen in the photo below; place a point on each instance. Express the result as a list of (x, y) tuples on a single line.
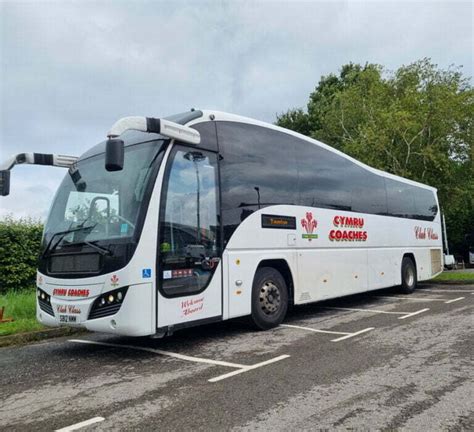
[(277, 221)]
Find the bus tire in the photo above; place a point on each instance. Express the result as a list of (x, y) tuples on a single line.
[(269, 298), (409, 277)]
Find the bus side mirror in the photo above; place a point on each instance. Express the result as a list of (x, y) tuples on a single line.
[(4, 182), (114, 154)]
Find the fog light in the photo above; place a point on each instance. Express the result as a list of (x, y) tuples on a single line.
[(113, 323), (119, 296), (111, 298)]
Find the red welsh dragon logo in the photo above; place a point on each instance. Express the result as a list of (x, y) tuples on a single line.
[(309, 224)]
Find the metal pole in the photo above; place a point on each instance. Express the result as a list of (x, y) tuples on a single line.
[(198, 201), (196, 157), (445, 237), (258, 196)]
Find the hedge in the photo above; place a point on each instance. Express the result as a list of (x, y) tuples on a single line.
[(19, 250)]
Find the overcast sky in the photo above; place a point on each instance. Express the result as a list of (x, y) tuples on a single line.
[(69, 70)]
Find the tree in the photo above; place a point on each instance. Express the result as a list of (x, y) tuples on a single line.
[(416, 122)]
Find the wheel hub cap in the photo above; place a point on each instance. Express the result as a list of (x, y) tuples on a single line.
[(270, 299), (409, 276)]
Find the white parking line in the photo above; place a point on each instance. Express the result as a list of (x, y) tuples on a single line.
[(240, 367), (248, 368), (446, 291), (81, 424), (313, 330), (349, 335), (408, 298), (160, 352), (414, 313), (345, 336), (405, 314), (455, 300), (422, 299), (365, 310)]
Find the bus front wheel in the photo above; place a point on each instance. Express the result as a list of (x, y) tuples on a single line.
[(269, 298), (409, 277)]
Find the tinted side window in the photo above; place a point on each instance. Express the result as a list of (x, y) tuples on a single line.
[(400, 199), (323, 177), (425, 204), (368, 191), (208, 135), (257, 170)]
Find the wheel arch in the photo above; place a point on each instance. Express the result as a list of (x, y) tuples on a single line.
[(283, 267), (410, 255)]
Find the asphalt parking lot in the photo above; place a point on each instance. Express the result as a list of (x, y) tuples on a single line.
[(375, 361)]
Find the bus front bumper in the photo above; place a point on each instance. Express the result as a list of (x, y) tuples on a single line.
[(133, 317)]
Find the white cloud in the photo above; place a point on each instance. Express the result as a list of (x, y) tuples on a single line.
[(31, 194)]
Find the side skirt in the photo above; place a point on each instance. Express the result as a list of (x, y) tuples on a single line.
[(169, 330)]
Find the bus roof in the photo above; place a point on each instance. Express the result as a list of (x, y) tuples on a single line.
[(223, 116)]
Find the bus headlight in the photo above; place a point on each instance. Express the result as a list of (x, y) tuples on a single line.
[(108, 303), (112, 297), (44, 301)]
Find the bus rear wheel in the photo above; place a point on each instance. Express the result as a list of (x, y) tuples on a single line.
[(269, 298), (409, 277)]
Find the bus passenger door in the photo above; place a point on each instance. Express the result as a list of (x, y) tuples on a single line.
[(189, 268)]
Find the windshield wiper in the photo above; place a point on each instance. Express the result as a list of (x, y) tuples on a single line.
[(102, 250), (49, 249)]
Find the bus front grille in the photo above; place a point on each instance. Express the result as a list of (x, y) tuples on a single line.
[(104, 311), (46, 307)]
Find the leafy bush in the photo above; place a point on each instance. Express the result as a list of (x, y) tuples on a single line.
[(21, 306), (19, 250)]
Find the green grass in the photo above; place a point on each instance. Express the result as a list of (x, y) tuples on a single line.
[(21, 306), (455, 276)]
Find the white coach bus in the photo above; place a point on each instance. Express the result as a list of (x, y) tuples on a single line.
[(206, 216)]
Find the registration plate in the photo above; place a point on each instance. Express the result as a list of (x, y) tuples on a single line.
[(67, 318)]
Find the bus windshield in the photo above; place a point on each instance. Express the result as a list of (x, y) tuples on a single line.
[(105, 204)]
